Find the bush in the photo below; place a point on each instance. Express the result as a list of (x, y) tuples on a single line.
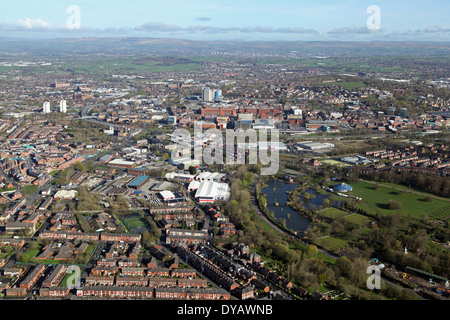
[(394, 205)]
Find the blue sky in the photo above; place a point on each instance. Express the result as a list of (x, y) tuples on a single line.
[(344, 20)]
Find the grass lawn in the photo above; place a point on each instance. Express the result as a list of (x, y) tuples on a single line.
[(411, 202), (54, 172), (358, 219), (326, 258), (333, 213), (367, 208), (29, 190), (332, 243), (135, 222)]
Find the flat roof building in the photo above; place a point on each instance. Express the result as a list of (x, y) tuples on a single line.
[(138, 182), (209, 191)]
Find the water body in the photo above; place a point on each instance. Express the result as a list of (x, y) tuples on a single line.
[(276, 192), (317, 200)]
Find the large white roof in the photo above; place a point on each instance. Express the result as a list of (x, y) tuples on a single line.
[(214, 190), (166, 194), (210, 176)]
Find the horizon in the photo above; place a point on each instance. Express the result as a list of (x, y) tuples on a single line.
[(218, 40), (200, 20)]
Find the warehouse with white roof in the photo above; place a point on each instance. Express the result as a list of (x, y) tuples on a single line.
[(210, 176), (210, 191)]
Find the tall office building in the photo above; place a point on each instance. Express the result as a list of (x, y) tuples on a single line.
[(46, 107), (403, 112), (207, 94), (390, 111), (217, 94), (63, 106)]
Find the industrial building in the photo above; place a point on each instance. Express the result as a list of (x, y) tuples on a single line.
[(65, 194), (312, 145), (122, 163), (138, 182), (208, 191), (210, 176)]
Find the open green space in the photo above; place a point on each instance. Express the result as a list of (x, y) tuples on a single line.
[(29, 190), (357, 219), (332, 243), (333, 213), (128, 66), (30, 256), (134, 221), (378, 198)]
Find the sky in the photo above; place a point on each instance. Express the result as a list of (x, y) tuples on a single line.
[(246, 20)]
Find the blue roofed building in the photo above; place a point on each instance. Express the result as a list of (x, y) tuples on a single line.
[(138, 182), (342, 187)]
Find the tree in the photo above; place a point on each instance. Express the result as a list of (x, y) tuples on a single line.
[(394, 205), (312, 250), (344, 265), (192, 170)]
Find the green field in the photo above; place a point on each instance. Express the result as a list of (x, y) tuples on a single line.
[(335, 213), (332, 243), (126, 66), (134, 221), (415, 204), (29, 190)]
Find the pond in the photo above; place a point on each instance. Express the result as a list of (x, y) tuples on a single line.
[(314, 200), (276, 192)]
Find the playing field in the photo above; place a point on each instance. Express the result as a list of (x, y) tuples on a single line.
[(134, 222)]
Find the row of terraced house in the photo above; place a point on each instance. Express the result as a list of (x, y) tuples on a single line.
[(156, 293), (125, 237)]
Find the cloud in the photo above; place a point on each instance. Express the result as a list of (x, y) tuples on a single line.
[(158, 27), (436, 29), (161, 27), (204, 19), (355, 30), (427, 32), (27, 24)]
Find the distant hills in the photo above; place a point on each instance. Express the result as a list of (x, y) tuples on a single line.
[(166, 46)]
